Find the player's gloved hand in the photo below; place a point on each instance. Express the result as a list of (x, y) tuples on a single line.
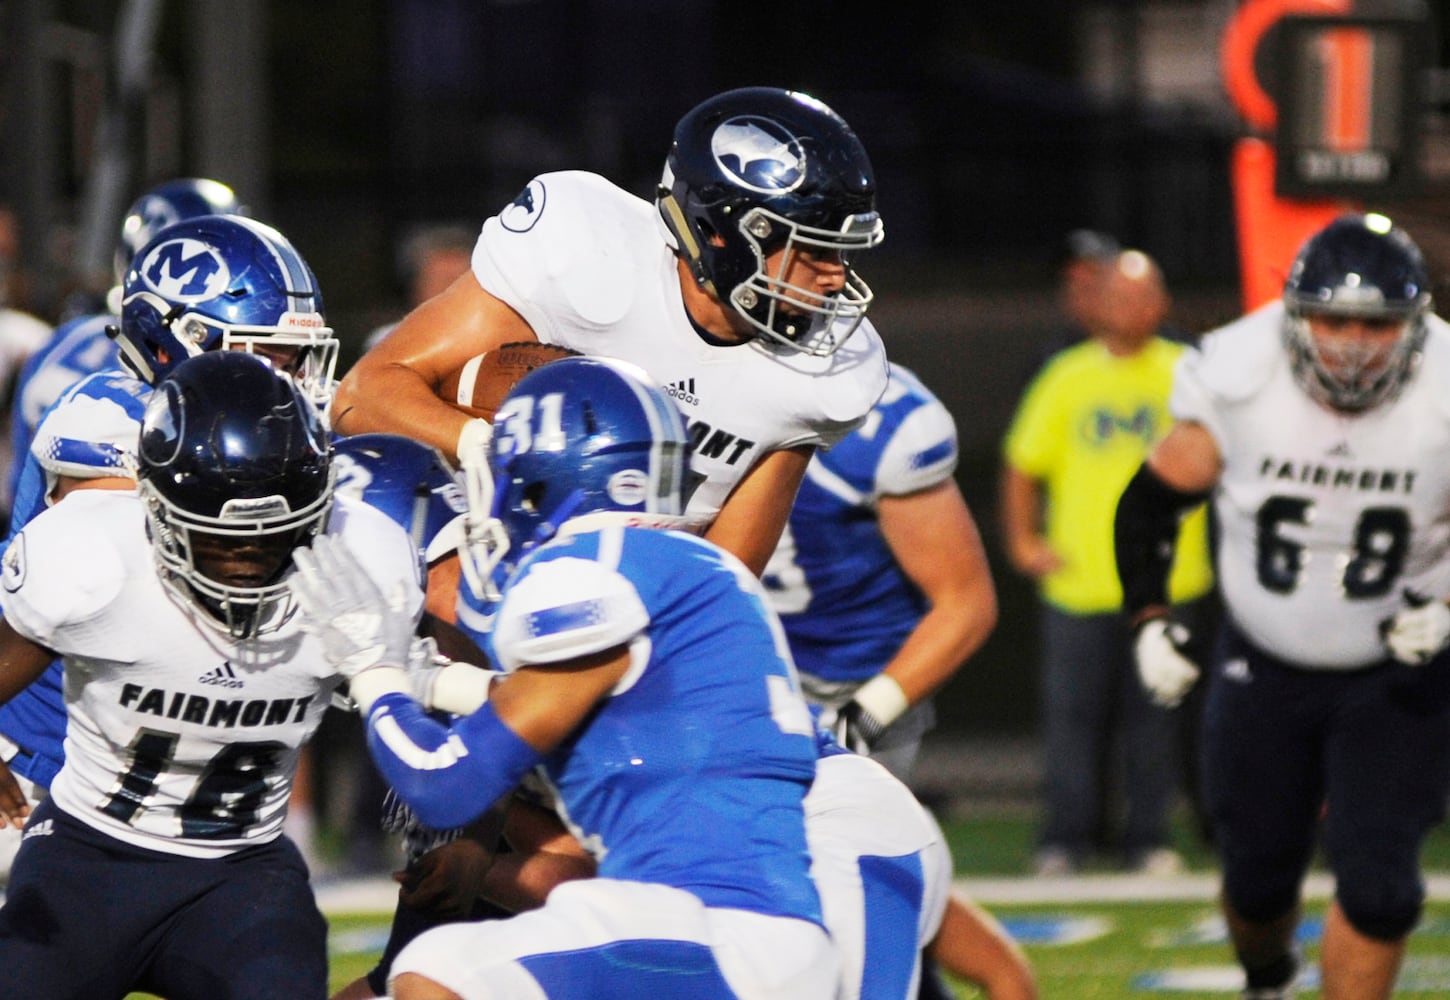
[(860, 722), (361, 630), (1419, 632), (1166, 673)]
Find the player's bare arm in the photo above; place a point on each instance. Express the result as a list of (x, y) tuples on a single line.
[(21, 662), (935, 540), (751, 521), (544, 704), (394, 387), (1187, 459)]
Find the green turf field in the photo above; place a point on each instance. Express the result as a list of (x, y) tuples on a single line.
[(1168, 948)]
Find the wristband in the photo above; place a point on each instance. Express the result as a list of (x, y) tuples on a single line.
[(473, 441), (460, 688), (369, 685), (883, 698)]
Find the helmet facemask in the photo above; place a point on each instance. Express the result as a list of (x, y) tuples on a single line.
[(190, 548), (800, 318), (307, 353), (1362, 282)]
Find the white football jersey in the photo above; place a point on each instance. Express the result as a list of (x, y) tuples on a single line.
[(1326, 518), (179, 738), (584, 262)]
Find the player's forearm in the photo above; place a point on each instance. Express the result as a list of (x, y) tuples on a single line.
[(944, 639), (394, 399), (448, 774)]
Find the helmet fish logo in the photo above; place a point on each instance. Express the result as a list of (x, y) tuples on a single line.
[(520, 214), (185, 270), (759, 154)]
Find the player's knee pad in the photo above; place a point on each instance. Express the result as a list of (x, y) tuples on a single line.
[(1379, 900)]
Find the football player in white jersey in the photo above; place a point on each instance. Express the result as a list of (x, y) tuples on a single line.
[(157, 863), (735, 290), (207, 282), (1319, 425)]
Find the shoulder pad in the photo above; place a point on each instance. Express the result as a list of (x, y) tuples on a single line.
[(1235, 361), (560, 609), (65, 566), (1435, 360)]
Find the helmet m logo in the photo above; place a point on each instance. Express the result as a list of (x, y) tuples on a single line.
[(185, 270), (759, 154)]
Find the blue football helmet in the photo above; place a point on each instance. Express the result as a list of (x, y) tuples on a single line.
[(166, 204), (583, 441), (757, 169), (409, 481), (1359, 267), (235, 471), (230, 283)]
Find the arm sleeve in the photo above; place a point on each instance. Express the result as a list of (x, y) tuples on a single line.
[(448, 774), (1144, 531)]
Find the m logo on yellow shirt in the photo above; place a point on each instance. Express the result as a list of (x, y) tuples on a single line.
[(1102, 425)]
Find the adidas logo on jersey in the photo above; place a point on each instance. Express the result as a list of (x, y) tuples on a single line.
[(44, 828), (222, 676), (683, 390)]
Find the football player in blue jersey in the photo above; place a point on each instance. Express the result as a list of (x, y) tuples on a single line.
[(205, 283), (158, 863), (681, 769), (884, 589), (880, 578), (81, 346)]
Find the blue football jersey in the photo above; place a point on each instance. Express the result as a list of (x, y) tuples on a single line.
[(845, 603), (694, 771), (78, 348)]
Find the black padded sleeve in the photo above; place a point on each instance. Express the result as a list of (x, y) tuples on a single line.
[(1144, 532)]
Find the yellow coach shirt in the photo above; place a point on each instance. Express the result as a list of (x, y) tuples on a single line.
[(1083, 427)]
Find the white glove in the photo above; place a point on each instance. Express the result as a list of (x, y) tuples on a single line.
[(1165, 672), (360, 629), (1419, 632)]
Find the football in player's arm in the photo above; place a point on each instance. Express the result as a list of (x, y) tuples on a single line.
[(1317, 424), (736, 290)]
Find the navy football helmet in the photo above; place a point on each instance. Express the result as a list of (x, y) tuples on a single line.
[(409, 481), (1359, 267), (235, 471), (231, 283), (587, 441), (166, 204), (757, 169)]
